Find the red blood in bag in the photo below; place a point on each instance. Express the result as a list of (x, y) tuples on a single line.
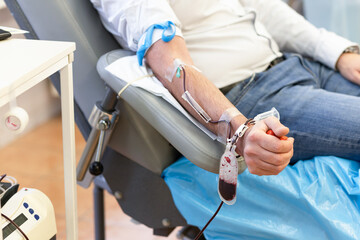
[(227, 190)]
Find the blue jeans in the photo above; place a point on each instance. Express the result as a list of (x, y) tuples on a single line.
[(321, 108)]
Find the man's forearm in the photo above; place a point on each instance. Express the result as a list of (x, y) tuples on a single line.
[(160, 58), (264, 154)]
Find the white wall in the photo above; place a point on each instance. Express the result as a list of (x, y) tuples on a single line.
[(40, 102)]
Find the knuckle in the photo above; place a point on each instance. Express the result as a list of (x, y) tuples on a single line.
[(277, 146), (253, 170), (278, 169), (291, 154), (250, 163), (253, 136), (249, 151), (279, 160)]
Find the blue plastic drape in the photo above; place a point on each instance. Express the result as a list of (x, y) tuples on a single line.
[(313, 199)]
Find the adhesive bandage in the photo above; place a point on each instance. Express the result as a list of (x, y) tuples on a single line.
[(224, 123), (169, 74), (176, 68)]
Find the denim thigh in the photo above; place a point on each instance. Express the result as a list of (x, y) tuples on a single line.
[(321, 108)]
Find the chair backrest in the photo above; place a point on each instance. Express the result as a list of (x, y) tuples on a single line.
[(78, 21), (141, 153)]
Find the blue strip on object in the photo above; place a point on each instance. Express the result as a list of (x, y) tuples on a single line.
[(167, 35)]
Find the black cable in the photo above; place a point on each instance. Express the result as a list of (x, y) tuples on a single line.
[(2, 177), (184, 79), (213, 122), (207, 224), (17, 227)]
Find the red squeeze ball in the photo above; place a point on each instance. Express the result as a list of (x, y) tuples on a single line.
[(271, 132)]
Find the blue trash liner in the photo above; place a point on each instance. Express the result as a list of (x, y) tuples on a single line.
[(313, 199)]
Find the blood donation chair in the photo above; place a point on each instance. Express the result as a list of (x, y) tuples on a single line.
[(136, 136)]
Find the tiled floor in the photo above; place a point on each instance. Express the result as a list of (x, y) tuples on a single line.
[(35, 160)]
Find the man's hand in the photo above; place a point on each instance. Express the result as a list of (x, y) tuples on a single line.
[(349, 66), (266, 154)]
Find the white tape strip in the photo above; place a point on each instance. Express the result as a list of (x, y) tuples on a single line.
[(187, 97)]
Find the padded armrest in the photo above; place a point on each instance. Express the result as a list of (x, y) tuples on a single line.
[(187, 138)]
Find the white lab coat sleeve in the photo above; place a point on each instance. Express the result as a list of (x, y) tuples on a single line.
[(128, 20), (295, 34)]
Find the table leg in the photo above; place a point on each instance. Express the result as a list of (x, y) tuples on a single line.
[(68, 128), (1, 235)]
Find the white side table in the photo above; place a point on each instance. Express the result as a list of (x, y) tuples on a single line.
[(25, 63)]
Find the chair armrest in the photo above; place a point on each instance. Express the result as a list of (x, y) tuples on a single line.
[(186, 137)]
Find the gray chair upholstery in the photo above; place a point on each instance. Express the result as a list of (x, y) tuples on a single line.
[(187, 138), (149, 134)]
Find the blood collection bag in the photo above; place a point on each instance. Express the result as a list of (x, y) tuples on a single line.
[(228, 174), (228, 170)]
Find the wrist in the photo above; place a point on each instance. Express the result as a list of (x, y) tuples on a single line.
[(236, 122), (239, 133), (348, 51)]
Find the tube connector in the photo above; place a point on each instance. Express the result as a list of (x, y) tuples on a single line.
[(272, 112)]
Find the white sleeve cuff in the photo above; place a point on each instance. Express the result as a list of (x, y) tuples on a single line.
[(330, 47)]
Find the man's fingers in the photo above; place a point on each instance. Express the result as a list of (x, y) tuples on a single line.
[(269, 142), (271, 166), (267, 154), (257, 155), (357, 77), (264, 170), (349, 66), (274, 124), (276, 145)]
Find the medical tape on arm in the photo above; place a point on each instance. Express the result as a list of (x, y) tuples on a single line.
[(198, 109), (225, 118), (224, 123), (187, 95), (176, 68)]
